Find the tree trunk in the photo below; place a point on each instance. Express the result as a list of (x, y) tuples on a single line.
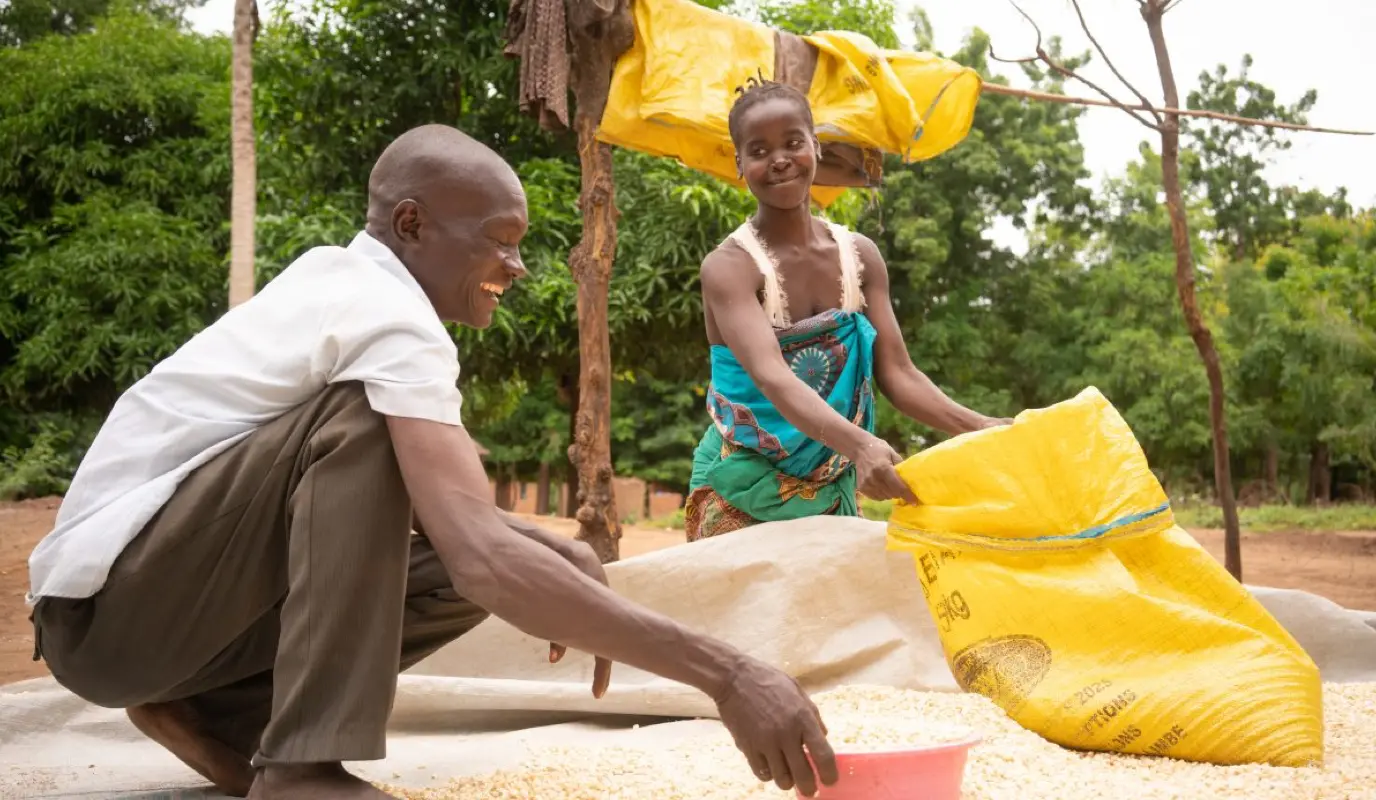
[(599, 31), (1272, 470), (503, 491), (244, 185), (1320, 475), (591, 263), (542, 490), (570, 508), (1152, 12), (649, 495)]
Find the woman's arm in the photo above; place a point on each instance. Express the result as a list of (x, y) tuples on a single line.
[(907, 387), (729, 285)]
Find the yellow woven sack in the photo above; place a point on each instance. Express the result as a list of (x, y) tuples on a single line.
[(672, 90), (915, 105), (1063, 591)]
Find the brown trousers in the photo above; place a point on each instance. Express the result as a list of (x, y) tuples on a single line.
[(279, 592)]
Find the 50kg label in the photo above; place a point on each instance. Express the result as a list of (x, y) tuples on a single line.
[(951, 609)]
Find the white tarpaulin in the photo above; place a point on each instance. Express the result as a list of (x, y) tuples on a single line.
[(820, 598)]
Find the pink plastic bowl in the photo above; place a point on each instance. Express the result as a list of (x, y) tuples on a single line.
[(922, 773)]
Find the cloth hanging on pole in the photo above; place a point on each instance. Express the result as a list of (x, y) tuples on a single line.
[(673, 89)]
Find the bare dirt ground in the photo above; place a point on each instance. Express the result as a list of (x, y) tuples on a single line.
[(1339, 566)]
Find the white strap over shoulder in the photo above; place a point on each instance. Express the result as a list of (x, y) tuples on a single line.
[(852, 295), (774, 305)]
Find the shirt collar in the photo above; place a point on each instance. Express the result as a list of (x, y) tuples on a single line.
[(377, 252)]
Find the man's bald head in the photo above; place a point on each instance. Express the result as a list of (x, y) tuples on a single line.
[(454, 212), (433, 161)]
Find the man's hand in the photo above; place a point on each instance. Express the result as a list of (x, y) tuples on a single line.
[(875, 475), (771, 720), (584, 559), (582, 556)]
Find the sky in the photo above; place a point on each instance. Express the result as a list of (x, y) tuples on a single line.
[(1319, 44)]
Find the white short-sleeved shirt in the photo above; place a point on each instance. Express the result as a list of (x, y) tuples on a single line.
[(335, 314)]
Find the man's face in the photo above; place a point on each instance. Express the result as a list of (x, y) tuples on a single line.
[(777, 153), (465, 251)]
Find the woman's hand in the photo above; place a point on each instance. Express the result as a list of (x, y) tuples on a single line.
[(875, 475)]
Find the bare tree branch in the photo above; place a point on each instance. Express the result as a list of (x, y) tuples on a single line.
[(1028, 60), (1029, 94), (1172, 6), (1085, 26), (1063, 71), (1031, 22)]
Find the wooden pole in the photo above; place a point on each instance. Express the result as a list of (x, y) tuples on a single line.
[(244, 183), (595, 49)]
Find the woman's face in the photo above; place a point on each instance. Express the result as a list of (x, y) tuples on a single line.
[(777, 152)]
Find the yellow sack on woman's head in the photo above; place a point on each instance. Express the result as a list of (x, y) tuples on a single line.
[(1064, 591)]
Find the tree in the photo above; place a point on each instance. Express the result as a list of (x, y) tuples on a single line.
[(656, 429), (112, 210), (243, 197), (1153, 12), (1307, 352), (1231, 158), (873, 18), (25, 21), (338, 80)]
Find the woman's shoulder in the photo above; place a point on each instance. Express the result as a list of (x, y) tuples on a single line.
[(728, 250)]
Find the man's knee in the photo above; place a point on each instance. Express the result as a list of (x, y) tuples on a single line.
[(59, 627)]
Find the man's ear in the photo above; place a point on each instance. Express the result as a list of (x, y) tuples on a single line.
[(407, 219), (740, 173)]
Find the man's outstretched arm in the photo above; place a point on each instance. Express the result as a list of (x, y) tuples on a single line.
[(541, 594)]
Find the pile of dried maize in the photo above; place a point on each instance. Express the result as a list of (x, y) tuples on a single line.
[(1010, 764)]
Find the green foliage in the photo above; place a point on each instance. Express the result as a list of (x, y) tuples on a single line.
[(659, 425), (877, 510), (1306, 346), (26, 21), (1230, 158), (114, 184), (1272, 518), (337, 80), (873, 18), (113, 197), (45, 463)]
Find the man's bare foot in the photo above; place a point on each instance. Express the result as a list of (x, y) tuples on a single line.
[(174, 726), (313, 782)]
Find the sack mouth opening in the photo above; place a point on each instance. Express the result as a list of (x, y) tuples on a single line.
[(1139, 523)]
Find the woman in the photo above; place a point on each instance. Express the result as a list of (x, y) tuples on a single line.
[(801, 331)]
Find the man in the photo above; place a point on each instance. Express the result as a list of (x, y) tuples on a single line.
[(235, 564)]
